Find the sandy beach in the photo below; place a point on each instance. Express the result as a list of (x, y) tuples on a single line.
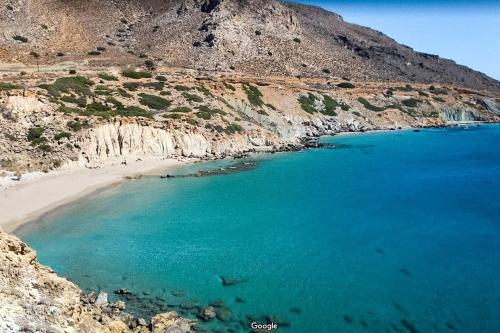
[(35, 195)]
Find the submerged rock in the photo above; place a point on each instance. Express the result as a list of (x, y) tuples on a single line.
[(296, 310), (208, 313), (409, 326), (405, 271), (217, 303), (188, 305), (121, 291), (223, 313), (348, 319), (230, 281)]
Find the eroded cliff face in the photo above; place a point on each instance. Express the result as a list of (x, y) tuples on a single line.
[(75, 121), (128, 139), (34, 299)]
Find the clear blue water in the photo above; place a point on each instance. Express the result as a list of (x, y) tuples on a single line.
[(388, 232)]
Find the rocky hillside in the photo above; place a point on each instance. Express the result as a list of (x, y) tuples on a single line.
[(35, 299), (55, 120), (259, 37)]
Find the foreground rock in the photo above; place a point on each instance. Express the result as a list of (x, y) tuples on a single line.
[(34, 299)]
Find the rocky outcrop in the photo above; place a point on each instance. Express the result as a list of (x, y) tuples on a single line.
[(34, 299), (458, 114), (129, 139)]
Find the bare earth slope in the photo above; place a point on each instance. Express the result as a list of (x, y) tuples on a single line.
[(259, 37)]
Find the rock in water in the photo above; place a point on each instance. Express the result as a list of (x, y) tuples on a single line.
[(223, 313), (102, 299), (171, 322), (208, 313), (121, 291), (229, 281)]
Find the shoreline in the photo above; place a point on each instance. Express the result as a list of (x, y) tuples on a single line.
[(74, 184), (31, 200)]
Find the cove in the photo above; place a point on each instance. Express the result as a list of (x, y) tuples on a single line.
[(386, 232)]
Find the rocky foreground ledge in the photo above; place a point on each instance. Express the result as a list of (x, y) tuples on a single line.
[(34, 299)]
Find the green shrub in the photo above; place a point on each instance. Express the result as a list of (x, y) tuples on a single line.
[(297, 40), (191, 121), (45, 148), (136, 75), (180, 87), (421, 93), (123, 93), (438, 99), (439, 91), (132, 86), (155, 85), (330, 106), (253, 94), (272, 107), (102, 90), (233, 128), (347, 85), (65, 109), (192, 97), (62, 135), (154, 102), (172, 116), (76, 126), (206, 113), (161, 78), (411, 102), (166, 93), (132, 111), (344, 106), (9, 86), (116, 103), (356, 113), (108, 77), (35, 135), (20, 38), (181, 109), (217, 128), (405, 88), (229, 86), (370, 106), (204, 91), (77, 84), (308, 103), (96, 107), (80, 101)]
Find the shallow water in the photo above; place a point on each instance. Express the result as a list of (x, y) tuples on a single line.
[(388, 232)]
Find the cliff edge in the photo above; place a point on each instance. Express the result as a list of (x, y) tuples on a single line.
[(34, 299)]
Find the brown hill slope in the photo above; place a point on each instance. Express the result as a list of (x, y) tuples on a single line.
[(263, 37)]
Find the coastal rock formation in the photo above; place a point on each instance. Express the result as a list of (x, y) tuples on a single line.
[(34, 299), (73, 121)]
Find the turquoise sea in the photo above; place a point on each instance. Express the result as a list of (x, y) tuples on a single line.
[(386, 232)]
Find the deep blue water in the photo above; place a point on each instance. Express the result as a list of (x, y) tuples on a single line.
[(388, 232)]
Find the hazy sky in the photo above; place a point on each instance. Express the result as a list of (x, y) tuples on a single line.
[(465, 31)]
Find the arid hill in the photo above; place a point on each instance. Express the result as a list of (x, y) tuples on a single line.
[(258, 37)]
